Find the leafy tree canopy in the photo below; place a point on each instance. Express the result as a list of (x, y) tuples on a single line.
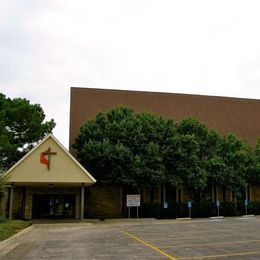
[(198, 158), (125, 147), (253, 174), (189, 156), (22, 125), (141, 149)]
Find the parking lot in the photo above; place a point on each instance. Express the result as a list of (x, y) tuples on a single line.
[(232, 238)]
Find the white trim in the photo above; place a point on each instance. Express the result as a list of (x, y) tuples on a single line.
[(61, 146)]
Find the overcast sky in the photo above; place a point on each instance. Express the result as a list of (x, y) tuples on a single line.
[(195, 47)]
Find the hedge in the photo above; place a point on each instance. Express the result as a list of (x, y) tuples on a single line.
[(202, 209)]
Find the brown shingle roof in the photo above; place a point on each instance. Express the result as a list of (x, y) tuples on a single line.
[(226, 115)]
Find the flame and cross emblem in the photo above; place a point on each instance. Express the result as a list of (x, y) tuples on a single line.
[(47, 160)]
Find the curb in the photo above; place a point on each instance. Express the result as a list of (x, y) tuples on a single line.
[(217, 217)]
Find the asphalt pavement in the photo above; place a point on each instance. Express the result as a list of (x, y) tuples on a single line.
[(227, 238)]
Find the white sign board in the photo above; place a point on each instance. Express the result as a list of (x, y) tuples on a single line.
[(133, 200)]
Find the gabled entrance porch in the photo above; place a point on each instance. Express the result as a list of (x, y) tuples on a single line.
[(48, 182)]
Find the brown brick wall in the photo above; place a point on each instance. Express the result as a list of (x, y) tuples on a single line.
[(4, 201), (229, 196), (184, 197), (28, 204), (226, 115), (103, 201), (17, 201), (255, 192), (146, 196)]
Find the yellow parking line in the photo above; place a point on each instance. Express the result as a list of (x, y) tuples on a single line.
[(213, 244), (202, 231), (198, 237), (177, 234), (224, 255), (181, 221), (150, 245)]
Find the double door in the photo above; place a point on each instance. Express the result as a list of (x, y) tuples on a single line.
[(54, 206)]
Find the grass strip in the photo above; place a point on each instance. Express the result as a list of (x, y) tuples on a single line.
[(11, 227)]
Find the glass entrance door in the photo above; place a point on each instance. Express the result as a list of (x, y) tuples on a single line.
[(53, 206)]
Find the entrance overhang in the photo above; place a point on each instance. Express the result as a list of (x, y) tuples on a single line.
[(47, 184), (26, 199)]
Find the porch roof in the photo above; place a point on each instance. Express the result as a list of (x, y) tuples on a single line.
[(48, 162)]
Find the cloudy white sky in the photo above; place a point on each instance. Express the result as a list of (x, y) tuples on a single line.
[(196, 47)]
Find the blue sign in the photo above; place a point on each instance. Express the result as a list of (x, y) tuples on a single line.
[(218, 203), (165, 205), (246, 202), (189, 204)]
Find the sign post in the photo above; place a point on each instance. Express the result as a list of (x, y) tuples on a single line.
[(189, 206), (218, 205), (133, 201), (246, 204)]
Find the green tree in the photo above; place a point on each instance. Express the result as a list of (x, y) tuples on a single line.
[(237, 158), (198, 158), (233, 165), (143, 150), (125, 147), (253, 164), (3, 196), (189, 156), (21, 127)]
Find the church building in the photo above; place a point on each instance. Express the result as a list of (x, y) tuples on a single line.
[(226, 115), (48, 182)]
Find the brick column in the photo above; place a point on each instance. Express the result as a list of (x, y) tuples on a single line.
[(82, 201), (11, 201)]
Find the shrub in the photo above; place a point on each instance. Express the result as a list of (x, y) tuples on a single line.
[(199, 209), (228, 209), (254, 207)]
